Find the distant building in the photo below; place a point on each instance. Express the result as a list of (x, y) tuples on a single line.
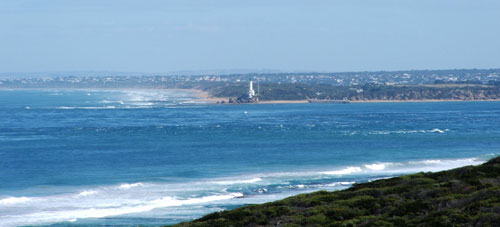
[(250, 97), (251, 91)]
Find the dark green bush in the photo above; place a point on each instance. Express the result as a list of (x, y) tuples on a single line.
[(467, 196)]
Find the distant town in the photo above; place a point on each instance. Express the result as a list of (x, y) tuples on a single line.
[(413, 77), (455, 84)]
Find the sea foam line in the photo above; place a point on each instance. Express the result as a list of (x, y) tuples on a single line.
[(14, 200), (128, 186), (142, 197), (54, 216), (407, 167), (229, 182)]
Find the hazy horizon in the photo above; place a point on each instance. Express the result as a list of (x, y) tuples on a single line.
[(291, 36), (196, 72)]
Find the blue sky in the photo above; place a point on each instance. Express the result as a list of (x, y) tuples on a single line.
[(288, 35)]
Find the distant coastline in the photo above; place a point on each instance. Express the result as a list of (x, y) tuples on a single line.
[(204, 96), (214, 100), (379, 101), (277, 88)]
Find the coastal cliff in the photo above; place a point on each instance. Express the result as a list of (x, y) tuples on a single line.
[(467, 196)]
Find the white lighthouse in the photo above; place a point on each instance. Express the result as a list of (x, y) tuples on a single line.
[(251, 92)]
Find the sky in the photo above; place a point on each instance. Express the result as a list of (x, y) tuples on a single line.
[(286, 35)]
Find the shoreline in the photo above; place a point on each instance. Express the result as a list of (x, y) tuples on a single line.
[(425, 100), (205, 97), (388, 201), (364, 101)]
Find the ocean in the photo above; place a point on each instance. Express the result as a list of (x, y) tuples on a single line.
[(153, 157)]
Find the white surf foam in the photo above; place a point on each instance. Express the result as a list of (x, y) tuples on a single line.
[(443, 164), (376, 166), (71, 215), (438, 130), (405, 167), (348, 170), (128, 186), (85, 107), (342, 183), (151, 96), (435, 130), (229, 182), (110, 101), (87, 193), (14, 200), (140, 197)]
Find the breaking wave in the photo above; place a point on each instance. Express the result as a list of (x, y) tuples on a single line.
[(128, 186), (14, 200), (348, 170), (229, 182), (87, 193), (405, 167), (72, 215), (203, 195)]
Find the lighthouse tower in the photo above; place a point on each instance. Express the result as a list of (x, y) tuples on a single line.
[(251, 92)]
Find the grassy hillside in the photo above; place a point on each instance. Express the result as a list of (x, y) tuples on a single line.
[(468, 196)]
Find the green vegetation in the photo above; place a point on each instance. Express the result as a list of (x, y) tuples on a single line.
[(468, 196), (366, 92)]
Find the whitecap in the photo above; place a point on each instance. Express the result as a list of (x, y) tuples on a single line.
[(348, 170), (87, 193), (376, 166), (436, 130), (228, 182), (111, 101), (262, 190), (142, 103), (128, 186), (14, 200), (447, 163), (53, 216), (341, 183), (85, 107)]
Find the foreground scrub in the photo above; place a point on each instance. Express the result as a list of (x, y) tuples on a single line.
[(467, 196)]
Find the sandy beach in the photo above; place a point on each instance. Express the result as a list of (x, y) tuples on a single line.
[(204, 96)]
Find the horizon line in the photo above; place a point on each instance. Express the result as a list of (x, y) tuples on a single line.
[(232, 71)]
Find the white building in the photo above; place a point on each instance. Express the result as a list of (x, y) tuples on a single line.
[(251, 92)]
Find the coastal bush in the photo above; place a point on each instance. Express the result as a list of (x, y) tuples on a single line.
[(467, 196), (295, 91)]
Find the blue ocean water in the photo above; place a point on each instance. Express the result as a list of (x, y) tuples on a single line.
[(152, 157)]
